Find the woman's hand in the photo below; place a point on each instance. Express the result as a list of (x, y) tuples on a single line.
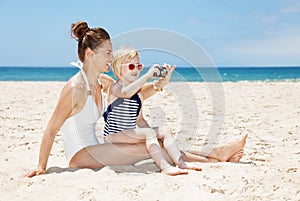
[(36, 172)]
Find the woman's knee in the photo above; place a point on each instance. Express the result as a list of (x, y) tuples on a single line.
[(83, 159)]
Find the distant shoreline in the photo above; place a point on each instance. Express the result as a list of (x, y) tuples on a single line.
[(176, 67), (181, 74)]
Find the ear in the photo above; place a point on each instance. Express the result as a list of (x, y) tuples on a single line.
[(88, 52)]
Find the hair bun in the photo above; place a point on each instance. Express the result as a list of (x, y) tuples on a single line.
[(79, 29)]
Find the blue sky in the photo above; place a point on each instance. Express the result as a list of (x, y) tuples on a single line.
[(231, 32)]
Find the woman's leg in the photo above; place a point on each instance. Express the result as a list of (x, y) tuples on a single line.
[(100, 155), (130, 138), (191, 157), (231, 152)]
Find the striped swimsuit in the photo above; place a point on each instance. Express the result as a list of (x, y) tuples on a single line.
[(122, 114)]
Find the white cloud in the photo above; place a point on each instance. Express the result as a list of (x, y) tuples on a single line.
[(269, 18), (279, 14), (291, 9), (193, 21), (280, 49)]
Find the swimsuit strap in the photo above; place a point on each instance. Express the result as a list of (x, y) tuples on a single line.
[(86, 82)]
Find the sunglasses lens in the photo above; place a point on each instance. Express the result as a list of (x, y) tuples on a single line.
[(140, 66), (131, 66)]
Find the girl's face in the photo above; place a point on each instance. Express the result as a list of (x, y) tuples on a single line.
[(102, 57), (130, 69)]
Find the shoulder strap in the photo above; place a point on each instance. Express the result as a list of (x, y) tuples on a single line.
[(86, 82)]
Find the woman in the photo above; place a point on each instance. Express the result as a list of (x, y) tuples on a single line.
[(81, 104)]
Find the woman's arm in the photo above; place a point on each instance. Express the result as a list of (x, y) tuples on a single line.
[(106, 82), (151, 88), (140, 121), (62, 111)]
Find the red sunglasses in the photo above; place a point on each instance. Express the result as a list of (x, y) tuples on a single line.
[(132, 66)]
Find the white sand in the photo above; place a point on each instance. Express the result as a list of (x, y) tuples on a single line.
[(268, 112)]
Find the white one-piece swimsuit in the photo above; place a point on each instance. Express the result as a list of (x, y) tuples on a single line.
[(79, 130)]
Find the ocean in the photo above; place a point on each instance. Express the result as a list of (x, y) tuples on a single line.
[(222, 74)]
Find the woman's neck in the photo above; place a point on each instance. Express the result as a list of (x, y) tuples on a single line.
[(91, 75)]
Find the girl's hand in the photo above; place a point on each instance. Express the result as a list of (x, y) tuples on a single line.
[(154, 69), (36, 172), (163, 81)]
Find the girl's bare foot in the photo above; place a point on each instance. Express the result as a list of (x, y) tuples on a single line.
[(189, 166), (173, 171)]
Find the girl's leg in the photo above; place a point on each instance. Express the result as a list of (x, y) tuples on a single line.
[(147, 135), (169, 144), (172, 149)]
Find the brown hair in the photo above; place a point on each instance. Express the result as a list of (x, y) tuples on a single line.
[(87, 37)]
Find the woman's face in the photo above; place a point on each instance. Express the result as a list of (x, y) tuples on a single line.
[(128, 73), (103, 57)]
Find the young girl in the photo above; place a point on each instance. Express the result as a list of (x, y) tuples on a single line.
[(125, 113)]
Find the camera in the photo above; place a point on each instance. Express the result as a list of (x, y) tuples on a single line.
[(162, 71)]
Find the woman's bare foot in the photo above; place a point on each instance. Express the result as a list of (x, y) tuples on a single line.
[(230, 151), (189, 166), (173, 171), (233, 151), (237, 156)]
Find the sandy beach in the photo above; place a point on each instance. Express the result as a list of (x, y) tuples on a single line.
[(268, 111)]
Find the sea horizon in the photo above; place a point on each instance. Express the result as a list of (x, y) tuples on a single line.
[(181, 73), (223, 66)]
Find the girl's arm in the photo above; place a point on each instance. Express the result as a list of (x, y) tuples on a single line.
[(151, 88), (127, 91), (62, 111)]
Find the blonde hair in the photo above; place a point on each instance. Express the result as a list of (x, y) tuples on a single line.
[(119, 57)]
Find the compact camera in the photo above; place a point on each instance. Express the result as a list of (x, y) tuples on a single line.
[(162, 71)]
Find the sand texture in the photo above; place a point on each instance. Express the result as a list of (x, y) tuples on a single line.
[(270, 169)]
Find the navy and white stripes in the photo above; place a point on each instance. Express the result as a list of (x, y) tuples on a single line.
[(122, 115)]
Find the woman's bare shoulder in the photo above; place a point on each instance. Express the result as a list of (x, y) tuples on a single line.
[(74, 90)]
